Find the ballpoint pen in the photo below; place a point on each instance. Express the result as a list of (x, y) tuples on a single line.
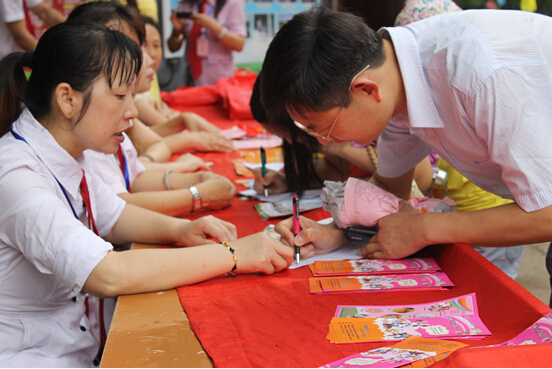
[(263, 168), (296, 226)]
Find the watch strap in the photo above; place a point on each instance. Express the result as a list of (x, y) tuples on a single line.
[(196, 198)]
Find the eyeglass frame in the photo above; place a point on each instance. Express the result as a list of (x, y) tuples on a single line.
[(313, 132)]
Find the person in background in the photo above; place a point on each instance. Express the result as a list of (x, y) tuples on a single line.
[(212, 32), (170, 124), (421, 88), (58, 220), (13, 28), (165, 191)]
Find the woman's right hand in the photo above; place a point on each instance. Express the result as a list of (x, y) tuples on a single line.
[(260, 253), (178, 23), (275, 181), (216, 191)]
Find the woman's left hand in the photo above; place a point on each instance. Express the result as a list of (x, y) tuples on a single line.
[(195, 122), (200, 231)]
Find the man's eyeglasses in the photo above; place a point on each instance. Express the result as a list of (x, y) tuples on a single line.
[(313, 132)]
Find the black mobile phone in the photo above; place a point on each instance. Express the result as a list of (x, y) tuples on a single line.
[(360, 234), (184, 15)]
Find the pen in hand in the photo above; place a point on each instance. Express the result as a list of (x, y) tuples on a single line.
[(296, 226), (263, 168)]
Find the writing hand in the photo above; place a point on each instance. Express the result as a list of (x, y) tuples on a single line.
[(314, 238), (275, 181)]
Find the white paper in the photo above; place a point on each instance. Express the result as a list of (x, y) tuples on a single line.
[(309, 194), (273, 166), (346, 252)]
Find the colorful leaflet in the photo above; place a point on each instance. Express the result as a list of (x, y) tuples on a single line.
[(374, 283), (461, 305), (539, 332), (411, 350), (375, 266), (355, 330)]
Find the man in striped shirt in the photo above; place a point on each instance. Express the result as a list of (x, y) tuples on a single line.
[(473, 86)]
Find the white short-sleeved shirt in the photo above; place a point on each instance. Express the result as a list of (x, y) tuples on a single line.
[(46, 253), (108, 167), (478, 86), (11, 11)]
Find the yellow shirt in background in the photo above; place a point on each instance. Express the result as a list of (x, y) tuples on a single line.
[(466, 194), (154, 90), (147, 8)]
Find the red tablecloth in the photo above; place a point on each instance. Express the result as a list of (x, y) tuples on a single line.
[(273, 321)]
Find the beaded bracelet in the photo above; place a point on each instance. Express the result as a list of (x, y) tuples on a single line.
[(234, 257)]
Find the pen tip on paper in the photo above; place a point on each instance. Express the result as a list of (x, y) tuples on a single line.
[(297, 257), (266, 192)]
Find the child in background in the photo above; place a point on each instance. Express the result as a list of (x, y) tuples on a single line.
[(80, 96), (169, 123)]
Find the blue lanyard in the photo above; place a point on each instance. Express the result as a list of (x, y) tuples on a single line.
[(208, 13), (124, 167), (19, 137)]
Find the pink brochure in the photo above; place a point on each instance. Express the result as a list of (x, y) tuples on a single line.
[(461, 305), (539, 332), (408, 351), (379, 283), (375, 266)]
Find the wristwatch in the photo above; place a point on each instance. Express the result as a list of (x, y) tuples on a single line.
[(197, 198)]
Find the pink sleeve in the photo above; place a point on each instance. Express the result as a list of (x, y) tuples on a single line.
[(365, 204), (233, 17)]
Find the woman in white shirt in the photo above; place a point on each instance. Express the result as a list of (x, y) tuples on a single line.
[(79, 97)]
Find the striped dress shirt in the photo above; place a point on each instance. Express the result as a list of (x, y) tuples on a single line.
[(479, 93)]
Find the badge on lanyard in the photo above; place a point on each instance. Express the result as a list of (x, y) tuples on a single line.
[(202, 44)]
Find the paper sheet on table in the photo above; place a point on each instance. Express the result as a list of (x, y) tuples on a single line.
[(273, 166), (309, 194), (346, 252)]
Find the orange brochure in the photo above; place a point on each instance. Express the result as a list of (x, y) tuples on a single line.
[(355, 330), (373, 283), (375, 266)]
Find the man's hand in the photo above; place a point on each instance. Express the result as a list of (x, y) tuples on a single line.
[(399, 235)]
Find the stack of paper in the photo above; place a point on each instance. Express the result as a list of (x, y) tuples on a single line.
[(415, 350), (354, 330), (378, 283), (455, 318), (375, 266)]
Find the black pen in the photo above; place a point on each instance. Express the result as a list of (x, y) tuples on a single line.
[(296, 226), (263, 168)]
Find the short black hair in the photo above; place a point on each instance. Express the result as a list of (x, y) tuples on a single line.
[(312, 59), (74, 52), (107, 11)]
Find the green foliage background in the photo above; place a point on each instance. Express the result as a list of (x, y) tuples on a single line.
[(543, 6)]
